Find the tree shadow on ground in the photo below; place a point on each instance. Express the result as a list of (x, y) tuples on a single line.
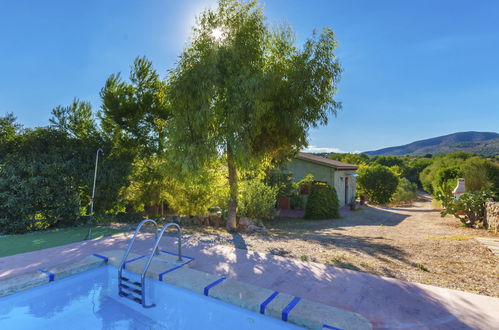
[(367, 216), (387, 303)]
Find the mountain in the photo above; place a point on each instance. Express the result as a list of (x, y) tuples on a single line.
[(485, 143)]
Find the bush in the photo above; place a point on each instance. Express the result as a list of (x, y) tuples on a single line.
[(37, 182), (196, 194), (257, 200), (122, 217), (469, 208), (406, 192), (322, 202), (377, 182), (296, 201)]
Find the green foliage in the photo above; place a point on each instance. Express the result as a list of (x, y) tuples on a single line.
[(445, 181), (440, 177), (405, 193), (469, 207), (135, 116), (77, 119), (429, 176), (46, 174), (414, 167), (37, 182), (192, 195), (9, 129), (248, 93), (136, 112), (377, 182), (257, 200), (322, 203), (481, 174), (358, 159), (296, 202), (389, 161), (281, 180)]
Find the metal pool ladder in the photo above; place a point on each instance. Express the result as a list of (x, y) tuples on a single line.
[(136, 291)]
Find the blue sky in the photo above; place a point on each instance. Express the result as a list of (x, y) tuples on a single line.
[(412, 69)]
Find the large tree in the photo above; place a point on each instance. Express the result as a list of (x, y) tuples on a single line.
[(135, 116), (244, 92), (9, 130)]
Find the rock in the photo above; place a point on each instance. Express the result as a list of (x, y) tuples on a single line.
[(254, 228), (196, 220), (247, 222), (251, 228), (492, 216), (185, 220), (215, 221), (174, 219)]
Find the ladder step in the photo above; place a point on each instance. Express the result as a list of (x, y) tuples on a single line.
[(130, 281), (137, 291), (129, 296)]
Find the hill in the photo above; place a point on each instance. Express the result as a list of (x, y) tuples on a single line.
[(484, 143)]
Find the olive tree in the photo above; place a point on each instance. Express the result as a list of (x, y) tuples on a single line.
[(243, 92)]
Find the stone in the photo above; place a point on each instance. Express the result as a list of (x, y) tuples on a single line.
[(247, 221), (492, 215), (215, 221), (197, 220), (186, 220), (251, 228)]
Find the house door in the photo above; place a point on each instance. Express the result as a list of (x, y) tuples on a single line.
[(346, 190)]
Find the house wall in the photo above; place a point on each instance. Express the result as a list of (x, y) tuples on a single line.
[(339, 184), (300, 168)]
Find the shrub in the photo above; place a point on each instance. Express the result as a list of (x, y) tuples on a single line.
[(123, 217), (194, 195), (322, 202), (296, 201), (377, 182), (445, 182), (406, 192), (37, 181), (257, 200), (469, 208)]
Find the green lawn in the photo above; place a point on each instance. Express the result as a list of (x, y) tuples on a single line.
[(16, 244)]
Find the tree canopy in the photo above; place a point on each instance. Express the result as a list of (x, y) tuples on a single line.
[(244, 92)]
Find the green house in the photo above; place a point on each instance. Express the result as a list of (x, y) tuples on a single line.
[(338, 174)]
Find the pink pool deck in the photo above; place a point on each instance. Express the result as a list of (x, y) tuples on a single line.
[(388, 303)]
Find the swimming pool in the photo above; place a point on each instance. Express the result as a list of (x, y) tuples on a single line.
[(90, 300)]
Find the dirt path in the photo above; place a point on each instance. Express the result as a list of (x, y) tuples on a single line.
[(408, 243)]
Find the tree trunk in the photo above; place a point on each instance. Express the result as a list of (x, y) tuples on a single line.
[(232, 207)]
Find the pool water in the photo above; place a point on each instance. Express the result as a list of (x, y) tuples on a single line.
[(90, 301)]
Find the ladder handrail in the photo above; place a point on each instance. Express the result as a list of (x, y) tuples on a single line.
[(151, 256), (143, 222)]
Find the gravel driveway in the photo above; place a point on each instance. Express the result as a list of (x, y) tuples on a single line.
[(408, 243)]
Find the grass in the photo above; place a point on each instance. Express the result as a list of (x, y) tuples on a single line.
[(16, 244)]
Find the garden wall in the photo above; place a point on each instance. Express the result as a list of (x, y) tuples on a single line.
[(492, 215)]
